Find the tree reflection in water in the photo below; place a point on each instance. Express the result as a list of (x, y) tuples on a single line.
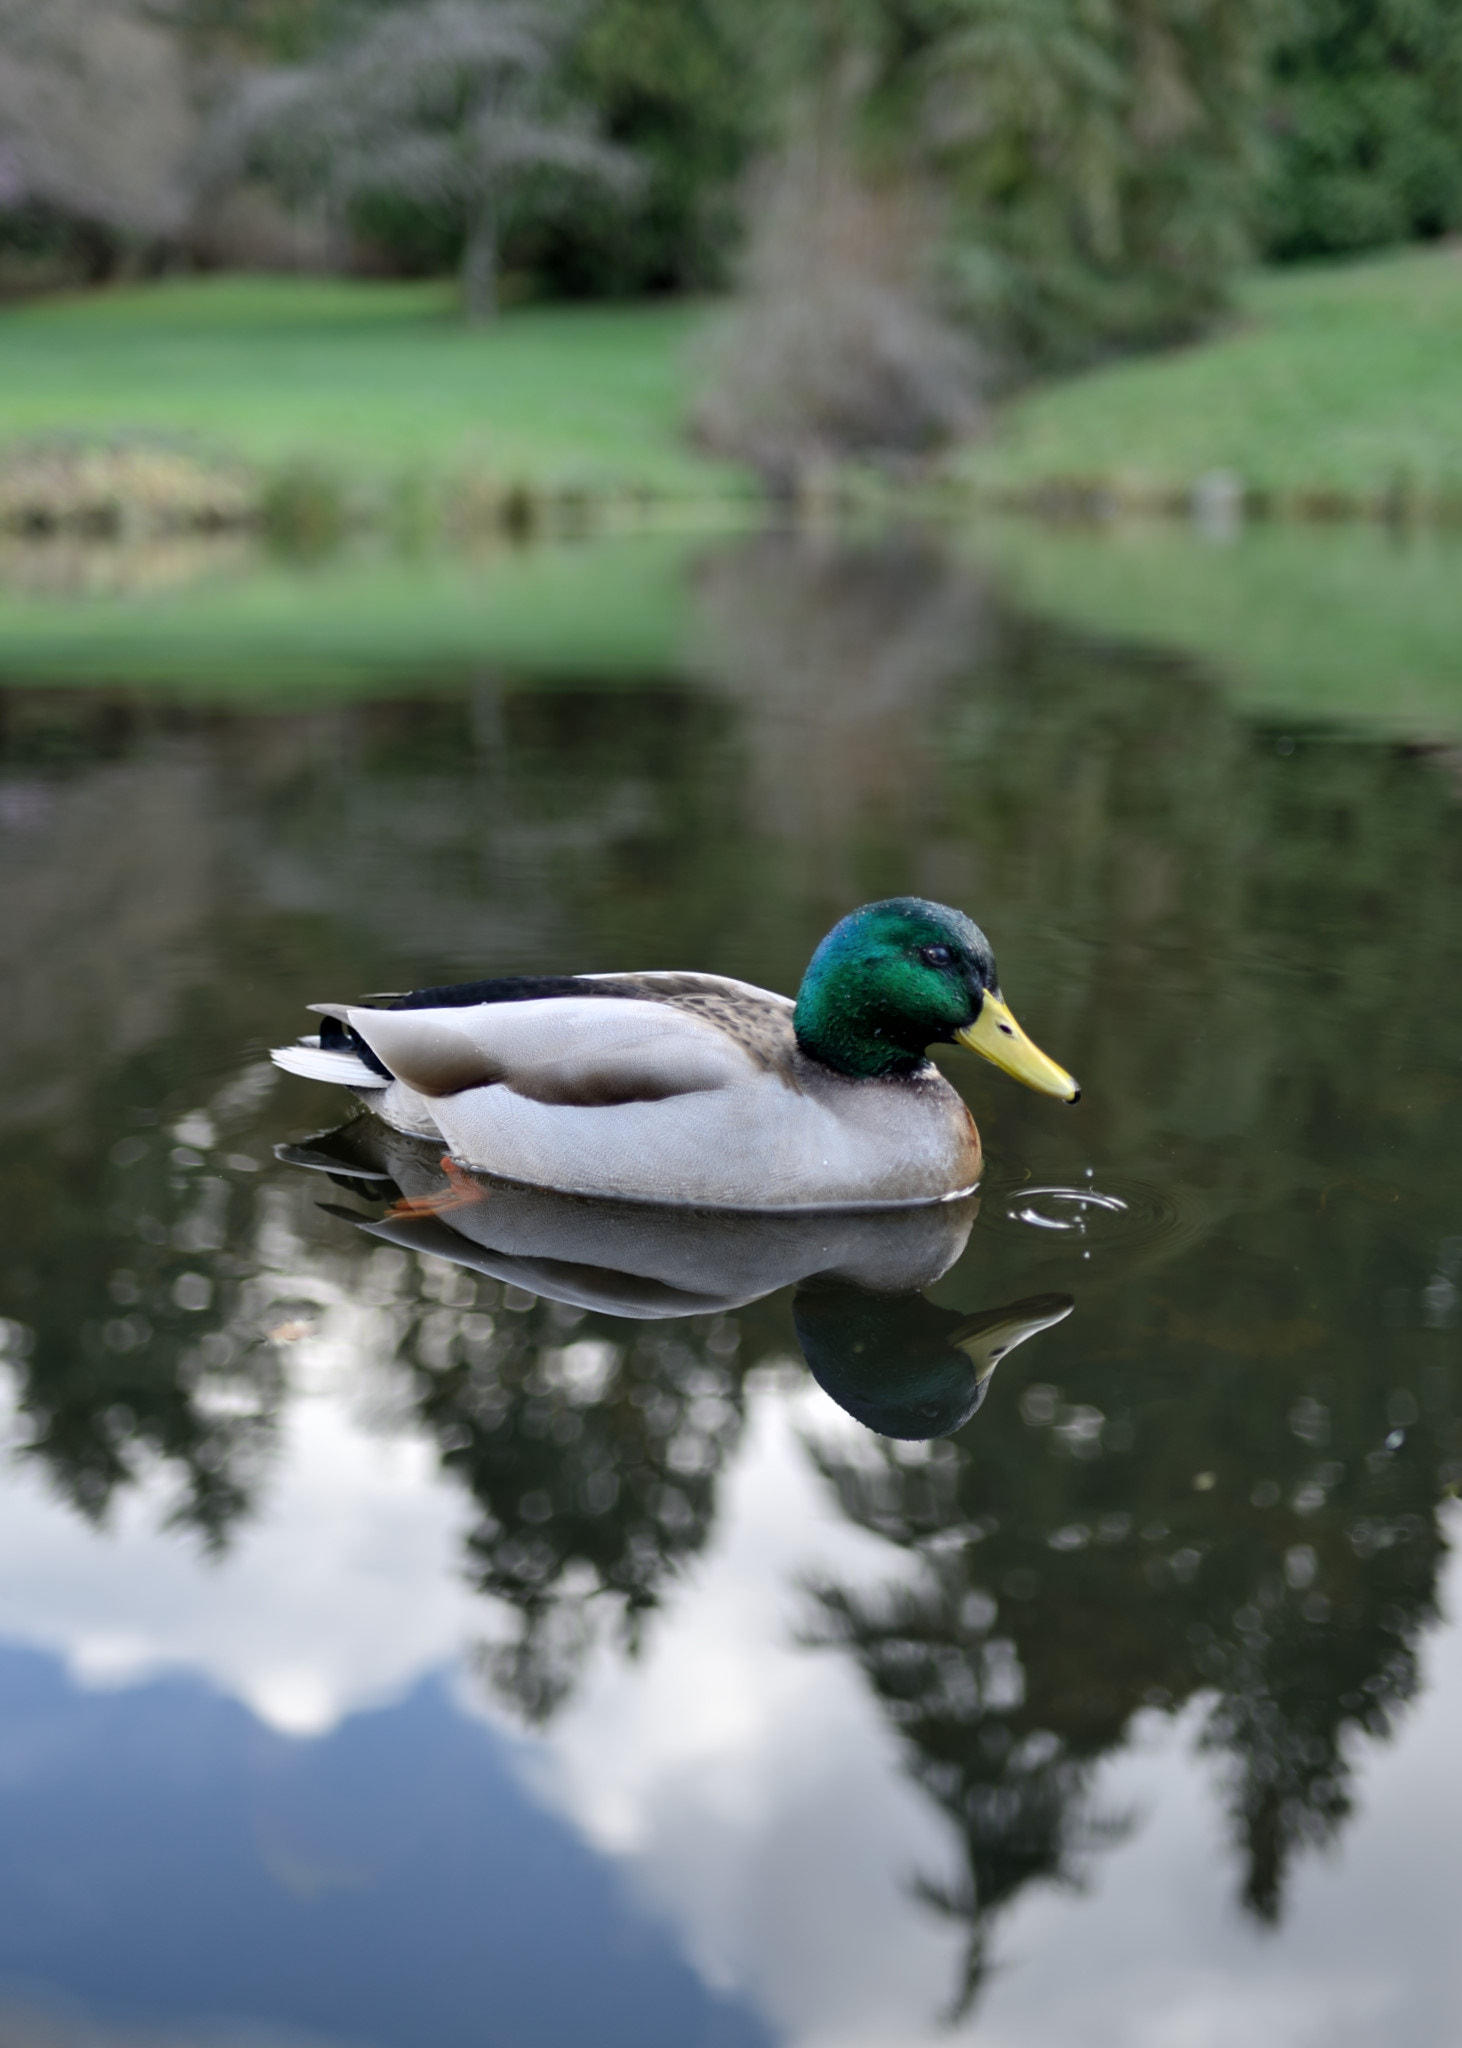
[(1219, 1483), (146, 1333), (590, 1446), (592, 1459), (1063, 1589)]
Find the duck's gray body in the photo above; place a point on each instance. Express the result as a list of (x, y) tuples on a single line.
[(688, 1089)]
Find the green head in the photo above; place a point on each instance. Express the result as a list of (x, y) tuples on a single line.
[(896, 977)]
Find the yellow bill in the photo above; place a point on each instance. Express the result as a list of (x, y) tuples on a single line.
[(998, 1038)]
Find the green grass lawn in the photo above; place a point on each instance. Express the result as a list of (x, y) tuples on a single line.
[(1341, 378), (366, 379), (1344, 378)]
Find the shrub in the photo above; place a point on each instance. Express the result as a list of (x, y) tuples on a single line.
[(134, 486), (304, 510)]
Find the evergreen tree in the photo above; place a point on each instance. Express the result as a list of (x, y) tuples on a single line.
[(1073, 178), (1097, 156)]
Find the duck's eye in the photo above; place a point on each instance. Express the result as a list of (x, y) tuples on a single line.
[(936, 956)]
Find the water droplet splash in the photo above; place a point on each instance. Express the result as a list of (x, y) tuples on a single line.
[(1093, 1218), (1068, 1209)]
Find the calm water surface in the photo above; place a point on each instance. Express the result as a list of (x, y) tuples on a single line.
[(402, 1646)]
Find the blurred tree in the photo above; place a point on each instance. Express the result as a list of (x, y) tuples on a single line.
[(1062, 181), (675, 85), (94, 122), (457, 105), (283, 31), (1069, 178), (1365, 118), (1099, 162)]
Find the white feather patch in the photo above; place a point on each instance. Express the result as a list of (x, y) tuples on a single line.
[(318, 1063)]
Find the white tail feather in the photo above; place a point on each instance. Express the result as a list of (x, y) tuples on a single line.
[(319, 1063)]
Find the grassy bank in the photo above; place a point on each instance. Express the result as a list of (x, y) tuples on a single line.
[(324, 402), (378, 387), (1337, 390)]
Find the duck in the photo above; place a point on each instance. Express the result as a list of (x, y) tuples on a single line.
[(692, 1089)]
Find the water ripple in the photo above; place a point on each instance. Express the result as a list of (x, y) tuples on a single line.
[(1118, 1214)]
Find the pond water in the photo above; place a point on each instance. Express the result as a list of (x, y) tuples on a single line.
[(403, 1646)]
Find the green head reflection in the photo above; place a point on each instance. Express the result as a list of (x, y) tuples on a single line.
[(902, 1366)]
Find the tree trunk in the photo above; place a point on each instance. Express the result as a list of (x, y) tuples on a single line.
[(335, 232), (479, 263)]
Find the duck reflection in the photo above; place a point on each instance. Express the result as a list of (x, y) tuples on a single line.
[(891, 1359)]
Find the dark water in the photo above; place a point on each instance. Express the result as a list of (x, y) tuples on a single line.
[(396, 1651)]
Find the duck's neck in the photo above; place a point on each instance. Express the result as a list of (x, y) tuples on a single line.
[(867, 1040)]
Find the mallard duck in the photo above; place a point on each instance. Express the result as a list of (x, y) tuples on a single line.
[(694, 1089)]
